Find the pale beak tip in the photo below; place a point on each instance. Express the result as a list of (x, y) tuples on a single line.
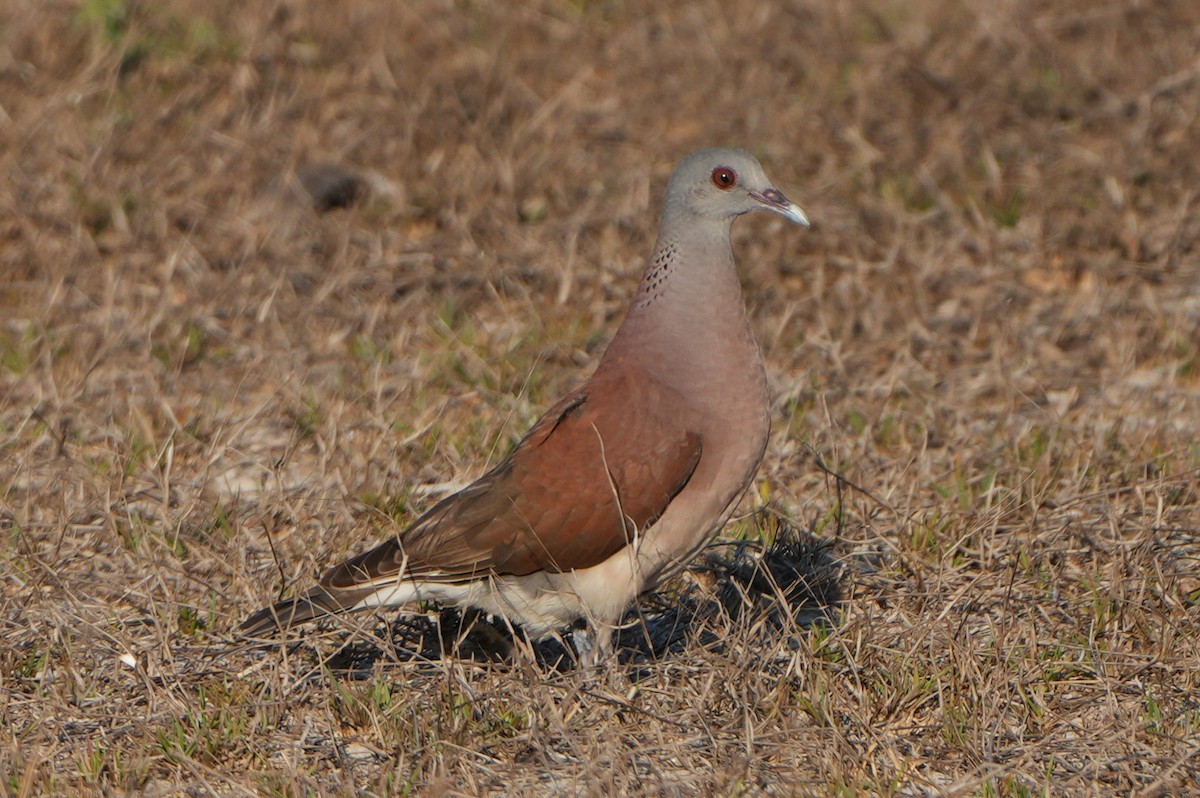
[(796, 214)]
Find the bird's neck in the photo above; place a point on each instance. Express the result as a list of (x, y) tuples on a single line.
[(688, 314)]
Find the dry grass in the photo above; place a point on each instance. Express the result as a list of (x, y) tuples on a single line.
[(209, 390)]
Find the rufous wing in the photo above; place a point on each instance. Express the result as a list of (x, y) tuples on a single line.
[(598, 467)]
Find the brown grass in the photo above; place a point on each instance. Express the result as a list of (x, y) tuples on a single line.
[(209, 390)]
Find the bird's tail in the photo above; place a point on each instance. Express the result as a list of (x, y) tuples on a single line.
[(283, 615)]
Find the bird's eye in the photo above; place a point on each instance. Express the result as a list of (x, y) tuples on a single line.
[(724, 178)]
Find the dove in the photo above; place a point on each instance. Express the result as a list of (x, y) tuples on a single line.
[(621, 483)]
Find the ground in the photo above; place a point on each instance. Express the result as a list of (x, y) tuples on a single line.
[(277, 274)]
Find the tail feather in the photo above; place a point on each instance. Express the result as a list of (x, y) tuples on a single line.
[(283, 615)]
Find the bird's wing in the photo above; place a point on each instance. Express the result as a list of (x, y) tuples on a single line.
[(600, 465)]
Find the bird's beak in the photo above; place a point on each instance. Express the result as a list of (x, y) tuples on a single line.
[(773, 200)]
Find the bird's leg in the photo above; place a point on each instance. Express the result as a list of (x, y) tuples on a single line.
[(593, 642)]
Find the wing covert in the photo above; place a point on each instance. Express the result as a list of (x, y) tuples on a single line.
[(601, 464)]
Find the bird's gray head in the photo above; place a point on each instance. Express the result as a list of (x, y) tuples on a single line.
[(723, 183)]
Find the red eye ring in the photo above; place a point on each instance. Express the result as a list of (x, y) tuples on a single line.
[(724, 178)]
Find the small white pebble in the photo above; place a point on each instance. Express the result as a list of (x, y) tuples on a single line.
[(359, 751)]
